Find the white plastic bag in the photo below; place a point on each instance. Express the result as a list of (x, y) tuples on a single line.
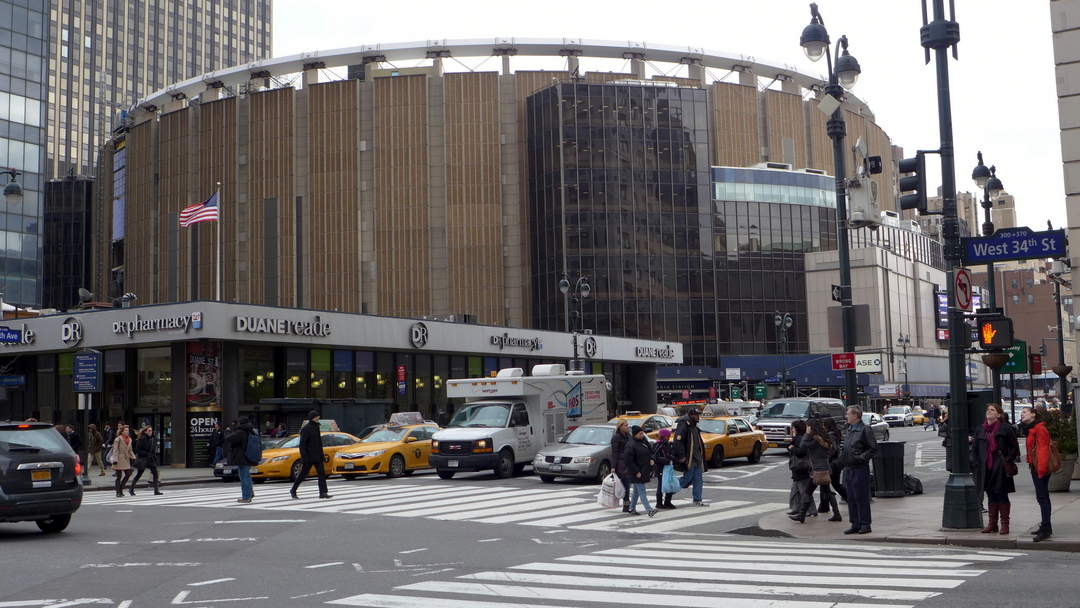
[(611, 492)]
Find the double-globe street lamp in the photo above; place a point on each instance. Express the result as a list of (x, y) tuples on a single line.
[(842, 75), (783, 323), (904, 341), (13, 194), (575, 292), (986, 179)]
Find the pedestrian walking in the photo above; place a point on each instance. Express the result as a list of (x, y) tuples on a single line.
[(619, 439), (146, 458), (639, 468), (71, 437), (235, 450), (995, 453), (856, 452), (799, 466), (820, 449), (215, 445), (931, 419), (311, 455), (1038, 458), (689, 451), (122, 456), (663, 454), (95, 453), (836, 470)]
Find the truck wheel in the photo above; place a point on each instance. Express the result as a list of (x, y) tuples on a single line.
[(547, 478), (505, 468), (717, 460), (603, 471), (54, 524), (519, 468), (755, 454), (445, 474), (397, 467)]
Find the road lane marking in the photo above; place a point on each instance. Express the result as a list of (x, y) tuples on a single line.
[(211, 582), (260, 521), (736, 547), (488, 540), (764, 566), (745, 489), (412, 551), (181, 599), (727, 554), (535, 508), (326, 565), (377, 600)]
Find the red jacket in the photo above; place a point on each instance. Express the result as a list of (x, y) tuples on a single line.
[(1038, 449)]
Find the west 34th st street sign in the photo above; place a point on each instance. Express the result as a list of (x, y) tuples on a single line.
[(1014, 244)]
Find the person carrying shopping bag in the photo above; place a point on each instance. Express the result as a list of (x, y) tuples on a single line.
[(639, 469), (664, 455)]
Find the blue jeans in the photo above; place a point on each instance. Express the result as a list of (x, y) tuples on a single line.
[(693, 476), (639, 493), (246, 491), (217, 457)]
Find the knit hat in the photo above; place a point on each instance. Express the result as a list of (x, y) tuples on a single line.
[(312, 414), (634, 430), (665, 433)]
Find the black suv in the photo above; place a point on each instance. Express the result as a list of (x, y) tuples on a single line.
[(39, 476)]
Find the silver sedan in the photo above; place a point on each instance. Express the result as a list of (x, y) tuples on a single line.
[(584, 452)]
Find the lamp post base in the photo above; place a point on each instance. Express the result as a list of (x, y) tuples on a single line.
[(961, 510)]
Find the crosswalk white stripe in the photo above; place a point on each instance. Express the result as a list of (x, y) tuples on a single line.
[(452, 496), (536, 507), (605, 514), (746, 548), (265, 498), (508, 498), (675, 523), (792, 579), (758, 566), (725, 554), (377, 600), (210, 499), (589, 506), (686, 586), (399, 499), (621, 520), (994, 555), (624, 597)]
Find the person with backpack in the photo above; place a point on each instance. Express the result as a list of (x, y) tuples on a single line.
[(1039, 461), (663, 455), (146, 458), (238, 452), (311, 455)]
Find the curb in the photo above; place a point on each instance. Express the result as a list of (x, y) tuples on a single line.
[(1067, 544), (165, 484)]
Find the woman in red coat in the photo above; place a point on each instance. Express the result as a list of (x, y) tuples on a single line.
[(1038, 457)]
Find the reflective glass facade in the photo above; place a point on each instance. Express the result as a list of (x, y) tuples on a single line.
[(23, 36), (66, 256)]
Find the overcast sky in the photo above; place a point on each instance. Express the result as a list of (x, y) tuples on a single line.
[(1003, 93)]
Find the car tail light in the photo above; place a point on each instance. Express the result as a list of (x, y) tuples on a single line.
[(23, 426), (78, 466)]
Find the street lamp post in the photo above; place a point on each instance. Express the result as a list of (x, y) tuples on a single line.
[(12, 194), (986, 179), (783, 323), (904, 340), (842, 75), (576, 293), (1060, 369)]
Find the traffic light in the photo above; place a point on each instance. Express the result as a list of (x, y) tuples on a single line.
[(996, 334), (913, 187)]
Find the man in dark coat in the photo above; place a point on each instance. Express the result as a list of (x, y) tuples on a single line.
[(235, 442), (858, 449), (619, 440), (311, 455), (690, 454), (217, 439)]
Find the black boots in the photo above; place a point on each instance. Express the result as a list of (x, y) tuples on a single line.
[(1044, 532), (835, 510)]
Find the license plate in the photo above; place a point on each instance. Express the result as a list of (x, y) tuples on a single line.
[(773, 445), (556, 467), (452, 463), (350, 466), (41, 475)]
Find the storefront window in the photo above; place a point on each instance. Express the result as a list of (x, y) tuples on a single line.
[(319, 376), (344, 376), (491, 366), (384, 374), (46, 386), (115, 368), (155, 378), (296, 373), (366, 381), (440, 373), (257, 373), (404, 372), (422, 385), (476, 367)]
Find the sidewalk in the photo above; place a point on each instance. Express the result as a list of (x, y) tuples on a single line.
[(170, 476), (917, 519)]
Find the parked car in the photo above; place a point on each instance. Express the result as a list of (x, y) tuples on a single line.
[(775, 420), (731, 437), (878, 425), (39, 476), (584, 453), (650, 423), (918, 415), (899, 415)]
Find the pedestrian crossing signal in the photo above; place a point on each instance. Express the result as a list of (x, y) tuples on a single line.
[(996, 334)]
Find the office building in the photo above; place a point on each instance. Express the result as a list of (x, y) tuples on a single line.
[(66, 252)]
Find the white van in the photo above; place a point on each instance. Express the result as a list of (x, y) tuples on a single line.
[(508, 419)]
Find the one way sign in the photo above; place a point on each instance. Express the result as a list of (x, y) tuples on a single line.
[(838, 293)]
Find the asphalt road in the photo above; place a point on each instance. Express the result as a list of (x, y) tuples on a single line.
[(476, 541)]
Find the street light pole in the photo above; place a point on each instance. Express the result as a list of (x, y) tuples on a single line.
[(783, 323), (576, 291), (903, 341), (986, 179), (815, 42)]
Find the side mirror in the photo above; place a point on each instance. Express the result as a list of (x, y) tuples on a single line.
[(410, 439)]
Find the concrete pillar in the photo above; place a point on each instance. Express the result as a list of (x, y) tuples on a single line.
[(637, 66), (506, 65), (175, 102), (788, 85), (437, 66), (641, 385), (311, 77), (230, 387), (178, 367), (697, 71), (746, 77), (212, 93), (573, 65)]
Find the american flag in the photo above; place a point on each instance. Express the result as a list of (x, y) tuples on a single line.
[(206, 211)]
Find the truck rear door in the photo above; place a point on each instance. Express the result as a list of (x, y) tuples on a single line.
[(524, 447)]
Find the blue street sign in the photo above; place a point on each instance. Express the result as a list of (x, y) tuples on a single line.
[(1014, 244), (12, 380), (86, 373), (10, 336)]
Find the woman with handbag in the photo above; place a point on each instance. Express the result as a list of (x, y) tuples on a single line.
[(819, 448), (995, 452), (121, 456), (800, 471), (664, 456), (146, 458), (1038, 457)]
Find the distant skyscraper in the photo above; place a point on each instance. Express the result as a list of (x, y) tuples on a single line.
[(1005, 212), (107, 54), (66, 258), (23, 44)]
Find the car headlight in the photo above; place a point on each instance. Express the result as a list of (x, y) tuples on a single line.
[(279, 458), (376, 453), (435, 445), (583, 460), (483, 443), (539, 458), (264, 461)]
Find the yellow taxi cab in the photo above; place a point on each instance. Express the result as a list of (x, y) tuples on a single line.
[(731, 437), (282, 459), (650, 423), (918, 415), (393, 450)]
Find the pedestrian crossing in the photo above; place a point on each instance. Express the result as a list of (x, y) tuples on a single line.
[(726, 572), (565, 506), (930, 455)]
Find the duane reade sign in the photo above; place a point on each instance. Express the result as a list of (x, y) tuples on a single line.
[(269, 325), (868, 363)]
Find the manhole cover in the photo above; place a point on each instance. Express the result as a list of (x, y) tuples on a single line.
[(758, 531)]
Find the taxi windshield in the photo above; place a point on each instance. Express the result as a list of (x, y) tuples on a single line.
[(289, 442), (385, 435), (487, 414), (717, 427), (590, 435)]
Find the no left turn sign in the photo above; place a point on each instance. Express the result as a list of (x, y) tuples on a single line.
[(963, 288)]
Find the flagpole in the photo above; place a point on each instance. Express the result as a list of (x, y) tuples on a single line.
[(221, 218)]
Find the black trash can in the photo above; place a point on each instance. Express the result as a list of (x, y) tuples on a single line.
[(889, 469)]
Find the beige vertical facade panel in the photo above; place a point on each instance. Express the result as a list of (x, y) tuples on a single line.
[(401, 162), (140, 195), (270, 160), (818, 143), (217, 163), (171, 196), (474, 202), (334, 196), (784, 122), (101, 217), (602, 77), (734, 125)]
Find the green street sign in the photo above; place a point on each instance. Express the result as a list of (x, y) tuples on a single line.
[(1018, 359), (736, 392), (760, 391)]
